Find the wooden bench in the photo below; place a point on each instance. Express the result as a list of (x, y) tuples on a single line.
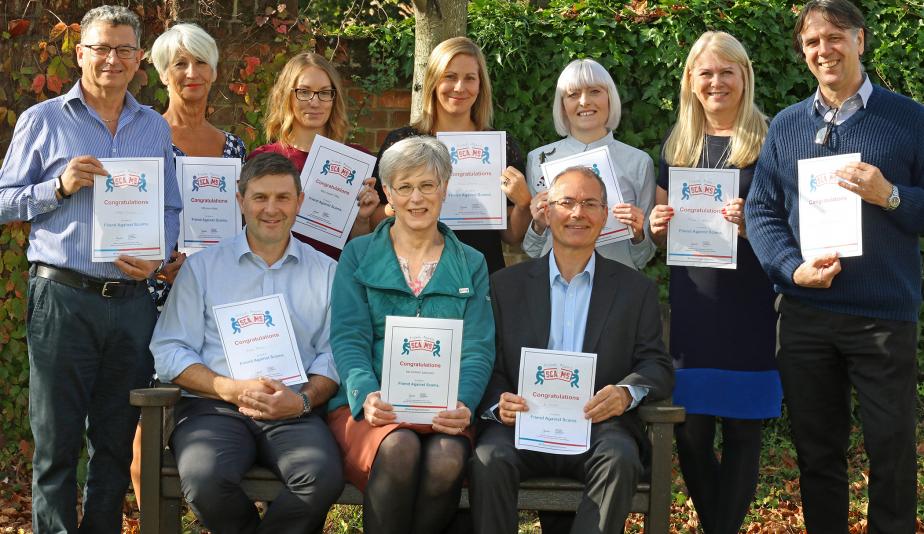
[(161, 494)]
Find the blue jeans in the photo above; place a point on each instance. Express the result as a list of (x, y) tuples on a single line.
[(86, 352)]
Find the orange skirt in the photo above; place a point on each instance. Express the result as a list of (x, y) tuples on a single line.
[(359, 442)]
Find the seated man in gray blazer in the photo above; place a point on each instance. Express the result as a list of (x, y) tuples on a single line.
[(572, 300)]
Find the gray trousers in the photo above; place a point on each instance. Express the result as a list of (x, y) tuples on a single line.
[(609, 470), (215, 446)]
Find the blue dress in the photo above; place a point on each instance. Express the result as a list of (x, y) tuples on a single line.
[(723, 328)]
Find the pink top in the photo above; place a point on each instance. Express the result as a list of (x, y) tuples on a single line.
[(424, 276)]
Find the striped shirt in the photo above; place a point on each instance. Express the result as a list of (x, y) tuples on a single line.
[(50, 134)]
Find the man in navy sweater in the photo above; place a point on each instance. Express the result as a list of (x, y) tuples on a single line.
[(847, 322)]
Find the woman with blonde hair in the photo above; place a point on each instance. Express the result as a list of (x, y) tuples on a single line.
[(586, 110), (308, 100), (732, 377), (457, 98)]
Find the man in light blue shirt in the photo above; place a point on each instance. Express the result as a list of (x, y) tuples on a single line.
[(572, 300), (89, 323), (225, 425)]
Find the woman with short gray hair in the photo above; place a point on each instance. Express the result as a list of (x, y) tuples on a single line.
[(586, 111), (186, 57), (411, 265)]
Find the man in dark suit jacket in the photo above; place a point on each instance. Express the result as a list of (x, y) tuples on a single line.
[(572, 300)]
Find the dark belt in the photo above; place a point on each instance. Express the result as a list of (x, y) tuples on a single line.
[(106, 288)]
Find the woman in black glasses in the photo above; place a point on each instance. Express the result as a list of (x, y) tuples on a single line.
[(307, 100), (730, 377)]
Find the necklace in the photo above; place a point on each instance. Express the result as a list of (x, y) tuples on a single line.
[(108, 121), (723, 157)]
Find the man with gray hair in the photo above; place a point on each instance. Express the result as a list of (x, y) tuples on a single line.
[(572, 300), (88, 324), (846, 323)]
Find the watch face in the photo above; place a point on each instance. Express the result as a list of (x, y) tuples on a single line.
[(894, 201)]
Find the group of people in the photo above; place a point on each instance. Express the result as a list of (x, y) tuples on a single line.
[(811, 329)]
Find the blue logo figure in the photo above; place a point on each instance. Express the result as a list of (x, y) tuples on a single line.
[(436, 349), (539, 378), (143, 184), (595, 169), (235, 326), (453, 155), (718, 193), (486, 156), (268, 319), (405, 347), (109, 183), (222, 185), (813, 184), (685, 192), (326, 168), (574, 379), (351, 177), (195, 183)]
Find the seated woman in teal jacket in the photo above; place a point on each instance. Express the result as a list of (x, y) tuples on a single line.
[(411, 265)]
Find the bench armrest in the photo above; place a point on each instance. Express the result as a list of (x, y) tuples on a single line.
[(162, 396), (662, 414)]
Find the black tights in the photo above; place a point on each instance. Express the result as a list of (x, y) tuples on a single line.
[(722, 491), (415, 483)]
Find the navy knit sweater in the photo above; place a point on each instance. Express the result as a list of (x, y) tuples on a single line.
[(885, 282)]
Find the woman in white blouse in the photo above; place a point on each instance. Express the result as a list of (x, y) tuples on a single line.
[(586, 110)]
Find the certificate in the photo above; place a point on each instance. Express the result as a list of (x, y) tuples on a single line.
[(420, 366), (830, 217), (331, 179), (474, 200), (556, 386), (128, 210), (599, 161), (698, 234), (210, 210), (258, 340)]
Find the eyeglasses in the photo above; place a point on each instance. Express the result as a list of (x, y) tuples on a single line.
[(569, 204), (823, 135), (307, 95), (102, 50), (425, 188)]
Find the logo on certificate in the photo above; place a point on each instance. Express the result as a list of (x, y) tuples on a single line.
[(209, 180), (126, 179), (702, 189), (339, 169), (239, 323), (478, 153), (563, 374), (420, 344), (822, 179)]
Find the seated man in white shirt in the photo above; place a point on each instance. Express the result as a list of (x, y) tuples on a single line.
[(224, 425)]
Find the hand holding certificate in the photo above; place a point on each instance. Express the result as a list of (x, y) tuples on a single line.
[(420, 366), (210, 209), (699, 235), (332, 177), (128, 210), (599, 161), (474, 200), (830, 217), (259, 341), (556, 386)]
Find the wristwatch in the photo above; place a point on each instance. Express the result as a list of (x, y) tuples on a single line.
[(306, 403), (59, 187), (894, 200)]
